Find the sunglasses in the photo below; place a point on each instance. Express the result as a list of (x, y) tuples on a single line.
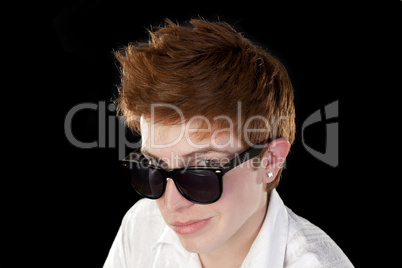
[(198, 184)]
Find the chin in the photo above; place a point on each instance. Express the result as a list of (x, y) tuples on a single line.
[(201, 245)]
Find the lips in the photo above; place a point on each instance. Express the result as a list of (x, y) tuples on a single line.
[(189, 227)]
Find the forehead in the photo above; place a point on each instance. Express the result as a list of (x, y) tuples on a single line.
[(187, 137)]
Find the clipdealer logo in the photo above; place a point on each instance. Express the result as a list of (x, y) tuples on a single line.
[(107, 130), (331, 154)]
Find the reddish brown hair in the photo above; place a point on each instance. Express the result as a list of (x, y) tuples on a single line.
[(206, 70)]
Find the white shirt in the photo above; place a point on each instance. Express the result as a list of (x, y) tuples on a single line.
[(284, 240)]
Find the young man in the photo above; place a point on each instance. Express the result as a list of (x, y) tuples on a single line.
[(216, 117)]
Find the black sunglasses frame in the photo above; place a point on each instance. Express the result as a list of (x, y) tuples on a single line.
[(137, 158)]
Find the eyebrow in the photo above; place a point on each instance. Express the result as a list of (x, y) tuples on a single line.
[(207, 150), (150, 155), (192, 154)]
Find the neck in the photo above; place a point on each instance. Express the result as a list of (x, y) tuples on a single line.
[(235, 250)]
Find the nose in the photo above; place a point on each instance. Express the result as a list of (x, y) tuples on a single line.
[(173, 200)]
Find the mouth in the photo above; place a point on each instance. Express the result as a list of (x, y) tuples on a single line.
[(189, 227)]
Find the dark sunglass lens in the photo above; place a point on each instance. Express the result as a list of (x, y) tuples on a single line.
[(149, 182), (201, 186)]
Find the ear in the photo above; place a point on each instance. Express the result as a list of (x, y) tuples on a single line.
[(274, 158)]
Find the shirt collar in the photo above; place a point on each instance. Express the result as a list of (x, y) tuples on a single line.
[(171, 242), (167, 237), (268, 249)]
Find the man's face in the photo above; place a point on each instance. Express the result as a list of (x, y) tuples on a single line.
[(235, 218)]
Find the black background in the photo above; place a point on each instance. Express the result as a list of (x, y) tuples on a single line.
[(328, 48)]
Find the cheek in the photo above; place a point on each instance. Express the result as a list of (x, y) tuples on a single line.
[(159, 203), (239, 184), (240, 192)]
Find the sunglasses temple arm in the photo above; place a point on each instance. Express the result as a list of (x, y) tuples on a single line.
[(245, 156)]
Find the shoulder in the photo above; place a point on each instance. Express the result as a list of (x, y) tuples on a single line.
[(143, 218), (140, 229), (143, 208), (309, 246)]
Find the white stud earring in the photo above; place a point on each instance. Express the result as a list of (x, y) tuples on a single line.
[(270, 175)]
